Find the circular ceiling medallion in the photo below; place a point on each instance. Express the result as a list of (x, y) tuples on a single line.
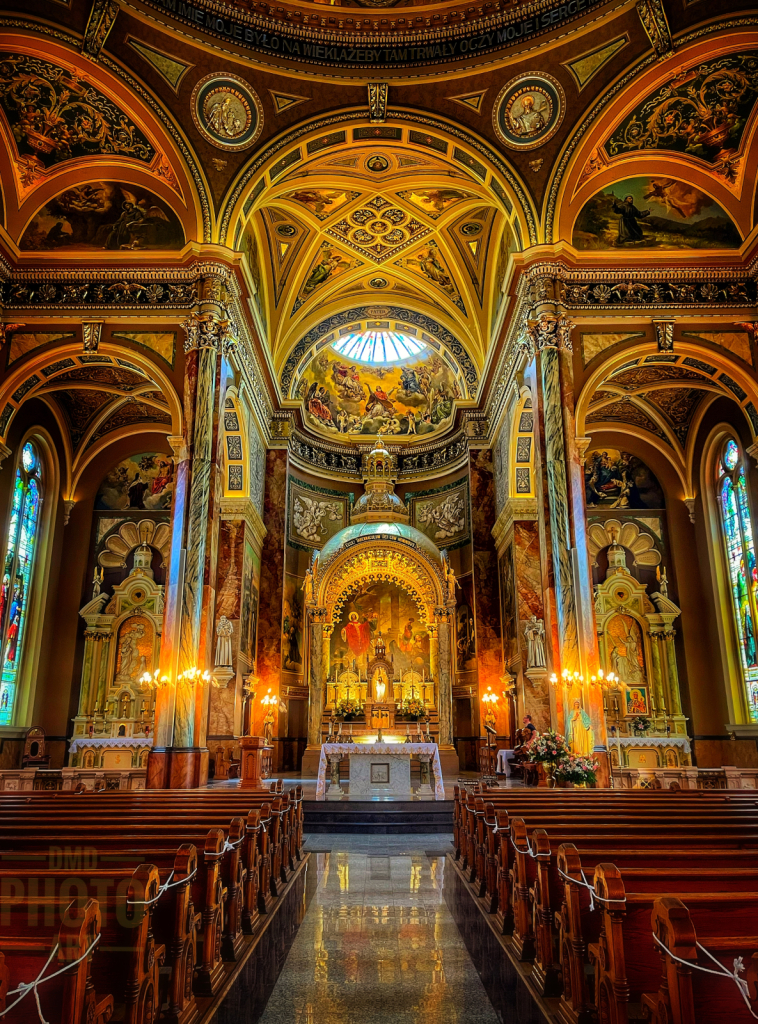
[(528, 111), (377, 163), (227, 111), (378, 282)]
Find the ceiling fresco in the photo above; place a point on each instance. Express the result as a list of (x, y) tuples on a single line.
[(414, 225)]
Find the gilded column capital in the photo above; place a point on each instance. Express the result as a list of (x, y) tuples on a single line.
[(209, 331), (179, 447), (550, 330)]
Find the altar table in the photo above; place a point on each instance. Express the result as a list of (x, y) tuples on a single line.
[(422, 751)]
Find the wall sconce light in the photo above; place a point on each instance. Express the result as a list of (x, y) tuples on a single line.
[(195, 677), (489, 697), (270, 698)]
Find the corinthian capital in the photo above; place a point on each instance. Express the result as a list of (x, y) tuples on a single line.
[(550, 330), (205, 330)]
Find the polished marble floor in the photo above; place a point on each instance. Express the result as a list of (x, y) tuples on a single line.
[(377, 943)]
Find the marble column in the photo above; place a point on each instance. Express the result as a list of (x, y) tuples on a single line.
[(675, 698), (315, 675), (88, 668), (445, 669), (102, 673), (656, 643), (179, 759), (548, 333)]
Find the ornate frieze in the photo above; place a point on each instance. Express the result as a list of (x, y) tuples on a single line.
[(377, 101), (653, 18), (99, 24)]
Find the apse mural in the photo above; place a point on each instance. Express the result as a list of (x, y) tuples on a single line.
[(387, 609), (620, 480), (654, 213), (142, 482), (411, 396), (108, 215)]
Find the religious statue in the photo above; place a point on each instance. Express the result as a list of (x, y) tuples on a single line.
[(224, 631), (308, 587), (381, 681), (663, 583), (268, 726), (534, 631), (579, 734), (449, 580), (131, 663), (489, 718)]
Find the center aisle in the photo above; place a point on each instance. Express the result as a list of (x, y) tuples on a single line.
[(377, 943)]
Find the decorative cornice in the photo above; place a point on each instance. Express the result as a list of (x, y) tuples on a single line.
[(515, 510), (245, 510)]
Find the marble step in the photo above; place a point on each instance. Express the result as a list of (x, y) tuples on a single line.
[(379, 816)]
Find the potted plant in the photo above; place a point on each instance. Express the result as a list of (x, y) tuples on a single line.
[(548, 749), (581, 771), (640, 725), (348, 710), (413, 708)]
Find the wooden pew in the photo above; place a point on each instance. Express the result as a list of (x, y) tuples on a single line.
[(72, 994), (653, 870), (128, 959), (690, 996), (627, 962)]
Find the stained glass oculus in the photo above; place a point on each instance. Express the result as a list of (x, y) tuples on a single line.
[(378, 346), (737, 526), (17, 575)]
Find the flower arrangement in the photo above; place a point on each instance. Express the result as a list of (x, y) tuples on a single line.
[(348, 710), (548, 747), (640, 725), (413, 708), (579, 770)]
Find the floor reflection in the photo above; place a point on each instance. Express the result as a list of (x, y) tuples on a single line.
[(377, 944)]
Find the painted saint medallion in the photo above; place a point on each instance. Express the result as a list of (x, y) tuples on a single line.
[(528, 111), (227, 111)]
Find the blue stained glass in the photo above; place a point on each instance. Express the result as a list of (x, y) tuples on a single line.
[(743, 572), (17, 576), (378, 346)]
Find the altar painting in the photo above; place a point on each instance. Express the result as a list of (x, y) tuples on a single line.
[(387, 609), (143, 482), (292, 624), (637, 702), (465, 634), (620, 480), (134, 655), (626, 650)]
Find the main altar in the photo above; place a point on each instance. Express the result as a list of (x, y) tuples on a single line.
[(380, 770), (380, 606)]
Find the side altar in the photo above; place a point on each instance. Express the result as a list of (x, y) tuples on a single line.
[(380, 610), (380, 769)]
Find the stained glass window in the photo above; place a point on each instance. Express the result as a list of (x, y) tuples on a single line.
[(378, 346), (18, 566), (740, 555)]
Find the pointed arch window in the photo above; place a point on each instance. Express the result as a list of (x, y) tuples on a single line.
[(18, 569), (737, 531)]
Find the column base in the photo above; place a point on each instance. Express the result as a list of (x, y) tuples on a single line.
[(177, 768)]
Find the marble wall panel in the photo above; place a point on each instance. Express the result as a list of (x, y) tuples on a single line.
[(486, 597), (526, 551), (269, 655)]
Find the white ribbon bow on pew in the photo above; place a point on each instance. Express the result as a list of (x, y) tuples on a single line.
[(722, 971), (31, 986)]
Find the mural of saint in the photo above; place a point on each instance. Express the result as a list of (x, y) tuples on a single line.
[(620, 480), (654, 212), (357, 635), (144, 482)]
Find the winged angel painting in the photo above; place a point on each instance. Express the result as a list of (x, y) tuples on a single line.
[(104, 215), (308, 516)]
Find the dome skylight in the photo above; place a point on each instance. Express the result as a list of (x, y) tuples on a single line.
[(379, 346)]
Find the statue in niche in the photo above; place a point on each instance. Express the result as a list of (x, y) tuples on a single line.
[(134, 642), (268, 726), (534, 631), (381, 682), (579, 734), (626, 651), (224, 631)]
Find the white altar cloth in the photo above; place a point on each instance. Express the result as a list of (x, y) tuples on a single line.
[(110, 741), (651, 741), (414, 749)]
